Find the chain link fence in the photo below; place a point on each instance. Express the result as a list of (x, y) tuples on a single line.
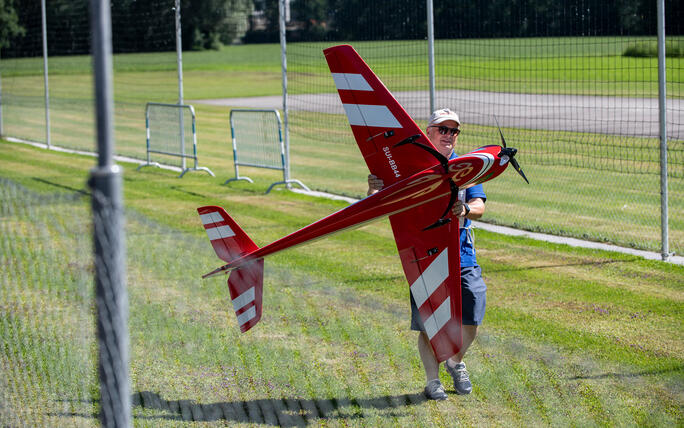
[(578, 101), (579, 110), (47, 334), (575, 93), (69, 70)]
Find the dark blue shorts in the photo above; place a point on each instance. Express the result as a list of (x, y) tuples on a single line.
[(473, 299)]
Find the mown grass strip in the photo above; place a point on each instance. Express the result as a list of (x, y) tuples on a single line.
[(334, 345)]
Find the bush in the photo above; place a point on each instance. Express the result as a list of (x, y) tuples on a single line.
[(673, 49)]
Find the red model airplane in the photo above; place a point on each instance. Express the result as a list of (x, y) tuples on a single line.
[(421, 186)]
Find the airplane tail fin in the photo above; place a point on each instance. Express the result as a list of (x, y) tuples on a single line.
[(246, 285), (245, 282), (227, 238)]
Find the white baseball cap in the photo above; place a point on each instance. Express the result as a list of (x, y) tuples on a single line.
[(441, 115)]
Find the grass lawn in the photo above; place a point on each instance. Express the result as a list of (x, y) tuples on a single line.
[(614, 179), (579, 66), (571, 336)]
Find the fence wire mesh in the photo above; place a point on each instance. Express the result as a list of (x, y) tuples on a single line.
[(48, 351), (578, 102), (323, 352), (150, 29), (258, 138), (172, 134), (188, 361), (574, 86)]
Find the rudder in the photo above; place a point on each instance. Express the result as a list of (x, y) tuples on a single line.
[(246, 289), (245, 282), (227, 238)]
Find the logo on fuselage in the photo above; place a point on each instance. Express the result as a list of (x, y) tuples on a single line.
[(392, 163)]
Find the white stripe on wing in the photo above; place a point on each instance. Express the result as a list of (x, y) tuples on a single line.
[(370, 115), (423, 287), (351, 81), (436, 321)]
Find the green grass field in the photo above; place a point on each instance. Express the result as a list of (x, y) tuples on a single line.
[(571, 336), (618, 204), (586, 65), (580, 66)]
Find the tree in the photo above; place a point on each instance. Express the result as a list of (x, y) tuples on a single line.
[(208, 23), (378, 20), (9, 23), (143, 26)]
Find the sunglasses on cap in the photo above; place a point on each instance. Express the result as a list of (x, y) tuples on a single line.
[(446, 130)]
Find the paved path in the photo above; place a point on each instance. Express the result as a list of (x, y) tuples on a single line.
[(650, 255), (478, 224), (577, 113)]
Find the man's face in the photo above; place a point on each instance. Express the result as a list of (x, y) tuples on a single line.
[(443, 143)]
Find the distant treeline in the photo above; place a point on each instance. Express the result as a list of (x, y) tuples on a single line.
[(396, 20), (137, 25), (148, 25)]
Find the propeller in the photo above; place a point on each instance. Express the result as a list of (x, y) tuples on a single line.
[(508, 154)]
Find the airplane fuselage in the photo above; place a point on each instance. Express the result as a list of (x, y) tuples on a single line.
[(432, 183)]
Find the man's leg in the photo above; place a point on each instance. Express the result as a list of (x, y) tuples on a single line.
[(455, 365), (469, 334), (434, 389), (473, 303), (427, 356)]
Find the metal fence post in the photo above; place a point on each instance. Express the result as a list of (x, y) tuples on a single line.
[(179, 66), (1, 130), (431, 52), (662, 107), (45, 74), (110, 272), (282, 12)]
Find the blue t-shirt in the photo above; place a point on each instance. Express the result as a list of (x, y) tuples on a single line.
[(467, 248)]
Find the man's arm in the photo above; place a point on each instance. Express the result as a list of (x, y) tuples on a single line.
[(476, 205)]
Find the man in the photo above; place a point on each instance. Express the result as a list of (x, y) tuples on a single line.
[(443, 130)]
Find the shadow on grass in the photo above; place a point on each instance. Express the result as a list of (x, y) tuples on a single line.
[(61, 186), (188, 192), (276, 412), (631, 375), (505, 268)]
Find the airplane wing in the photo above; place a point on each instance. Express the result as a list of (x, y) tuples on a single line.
[(377, 120), (432, 264)]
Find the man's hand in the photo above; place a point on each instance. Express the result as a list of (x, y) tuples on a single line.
[(458, 209), (374, 184), (476, 205)]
